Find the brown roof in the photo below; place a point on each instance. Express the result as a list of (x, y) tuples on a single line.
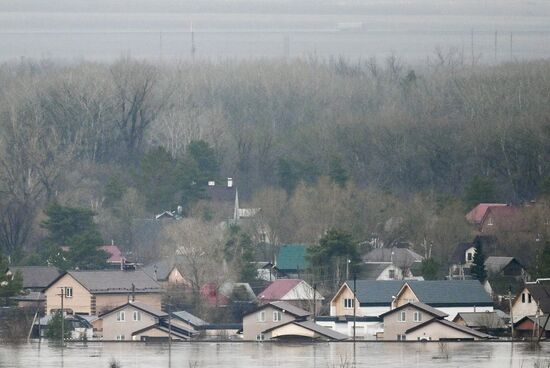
[(419, 305), (478, 212), (312, 326), (510, 218)]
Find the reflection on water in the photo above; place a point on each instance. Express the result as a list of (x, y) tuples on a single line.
[(321, 355)]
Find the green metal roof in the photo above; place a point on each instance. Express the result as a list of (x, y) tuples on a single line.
[(292, 257)]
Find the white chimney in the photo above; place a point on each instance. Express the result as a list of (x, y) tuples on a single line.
[(211, 183), (229, 182)]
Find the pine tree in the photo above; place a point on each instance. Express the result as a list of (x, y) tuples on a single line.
[(478, 266)]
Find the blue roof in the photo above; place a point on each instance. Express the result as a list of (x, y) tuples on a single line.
[(292, 257), (437, 293)]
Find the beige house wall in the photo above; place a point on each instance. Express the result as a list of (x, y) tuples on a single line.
[(406, 295), (113, 328), (175, 277), (521, 309), (337, 304), (393, 327), (436, 331), (106, 302), (252, 327), (79, 303)]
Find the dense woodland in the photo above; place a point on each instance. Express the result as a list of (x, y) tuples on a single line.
[(375, 148)]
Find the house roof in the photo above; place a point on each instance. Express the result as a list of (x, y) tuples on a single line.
[(395, 255), (278, 289), (162, 266), (348, 318), (189, 318), (33, 296), (292, 257), (495, 265), (506, 217), (115, 254), (489, 320), (418, 305), (36, 277), (537, 321), (284, 307), (456, 326), (372, 270), (114, 282), (221, 193), (175, 331), (141, 306), (436, 293), (541, 293), (312, 326), (478, 212), (458, 256)]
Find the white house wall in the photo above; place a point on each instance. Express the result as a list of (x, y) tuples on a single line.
[(302, 291)]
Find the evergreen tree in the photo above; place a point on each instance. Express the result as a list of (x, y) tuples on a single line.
[(53, 331), (430, 269), (10, 283), (542, 262), (337, 171), (478, 265), (73, 227)]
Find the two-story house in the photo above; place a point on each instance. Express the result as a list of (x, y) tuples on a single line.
[(532, 300), (94, 292)]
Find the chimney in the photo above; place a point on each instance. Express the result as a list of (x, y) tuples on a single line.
[(229, 182)]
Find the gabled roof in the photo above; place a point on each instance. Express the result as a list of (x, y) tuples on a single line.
[(489, 320), (394, 254), (174, 331), (421, 306), (283, 307), (141, 306), (541, 320), (508, 218), (189, 318), (541, 295), (459, 253), (36, 277), (453, 325), (447, 293), (312, 326), (371, 271), (163, 268), (478, 212), (115, 254), (435, 293), (292, 257), (114, 282), (495, 265), (221, 193), (278, 289)]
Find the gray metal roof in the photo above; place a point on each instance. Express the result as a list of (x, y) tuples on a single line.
[(456, 326), (490, 320), (285, 307), (141, 306), (419, 305), (434, 293), (494, 265), (310, 325), (394, 254), (36, 277), (189, 318), (107, 282), (163, 268), (372, 270)]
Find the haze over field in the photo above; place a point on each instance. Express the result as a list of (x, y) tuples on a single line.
[(486, 31)]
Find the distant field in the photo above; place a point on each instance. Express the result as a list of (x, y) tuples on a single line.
[(103, 30)]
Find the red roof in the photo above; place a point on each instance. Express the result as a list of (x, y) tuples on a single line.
[(510, 218), (478, 212), (115, 254), (278, 289), (210, 293)]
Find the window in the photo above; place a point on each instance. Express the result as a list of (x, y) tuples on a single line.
[(260, 337), (261, 316), (121, 316), (401, 337), (528, 298), (490, 221), (348, 303), (523, 297), (417, 316), (469, 256), (120, 337), (137, 316), (402, 316), (263, 238), (68, 292), (277, 316), (392, 274)]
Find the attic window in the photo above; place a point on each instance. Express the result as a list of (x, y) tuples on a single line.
[(490, 221), (469, 256), (523, 297), (392, 274), (348, 303), (528, 298)]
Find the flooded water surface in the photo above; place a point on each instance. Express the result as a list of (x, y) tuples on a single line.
[(325, 355)]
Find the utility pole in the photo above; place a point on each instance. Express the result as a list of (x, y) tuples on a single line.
[(511, 312), (314, 302), (62, 295), (354, 305)]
